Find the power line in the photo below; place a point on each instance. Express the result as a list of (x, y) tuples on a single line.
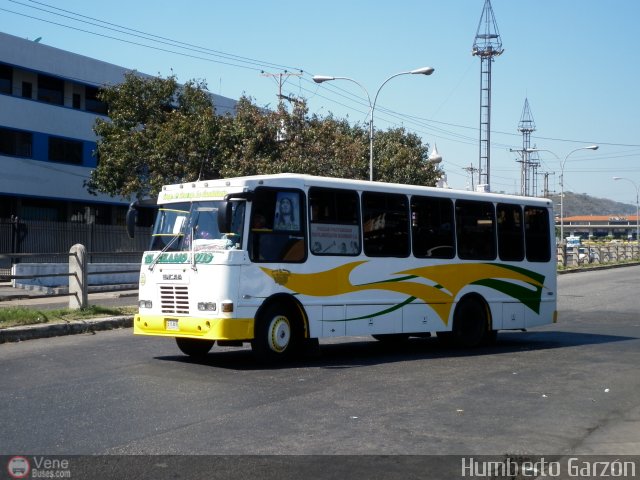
[(421, 125), (231, 59)]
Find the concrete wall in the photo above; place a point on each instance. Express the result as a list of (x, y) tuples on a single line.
[(99, 278)]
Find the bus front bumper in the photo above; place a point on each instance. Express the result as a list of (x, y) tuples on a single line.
[(194, 327)]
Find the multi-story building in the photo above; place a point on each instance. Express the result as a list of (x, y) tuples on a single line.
[(48, 106)]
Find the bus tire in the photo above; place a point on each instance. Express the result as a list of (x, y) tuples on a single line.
[(194, 347), (277, 334), (470, 322)]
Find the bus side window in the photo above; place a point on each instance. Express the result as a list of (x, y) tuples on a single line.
[(432, 227), (537, 234), (277, 226), (475, 230), (334, 221), (510, 232), (385, 219)]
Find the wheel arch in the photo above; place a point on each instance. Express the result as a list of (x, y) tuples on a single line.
[(475, 296), (290, 302)]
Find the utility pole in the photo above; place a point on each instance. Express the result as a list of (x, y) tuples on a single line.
[(281, 79), (545, 189), (471, 170)]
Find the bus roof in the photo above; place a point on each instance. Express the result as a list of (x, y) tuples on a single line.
[(217, 189)]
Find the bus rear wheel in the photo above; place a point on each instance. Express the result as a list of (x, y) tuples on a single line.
[(194, 347), (471, 323), (277, 334)]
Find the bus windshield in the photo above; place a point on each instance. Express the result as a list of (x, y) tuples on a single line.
[(194, 226)]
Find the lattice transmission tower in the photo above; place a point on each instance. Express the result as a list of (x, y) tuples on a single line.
[(530, 160), (486, 45)]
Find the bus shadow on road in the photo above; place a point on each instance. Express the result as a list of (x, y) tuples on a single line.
[(356, 352)]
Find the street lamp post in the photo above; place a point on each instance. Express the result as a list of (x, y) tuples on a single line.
[(372, 106), (637, 205), (562, 164)]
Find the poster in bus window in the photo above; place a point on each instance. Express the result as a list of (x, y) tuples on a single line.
[(335, 239), (287, 215)]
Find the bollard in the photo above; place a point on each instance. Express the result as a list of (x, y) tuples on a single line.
[(78, 288)]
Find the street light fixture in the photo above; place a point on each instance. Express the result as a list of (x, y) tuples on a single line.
[(562, 163), (372, 106), (637, 205)]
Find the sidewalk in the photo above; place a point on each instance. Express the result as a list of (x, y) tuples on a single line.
[(16, 297)]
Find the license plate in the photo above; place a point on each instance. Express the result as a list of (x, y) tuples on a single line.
[(172, 324)]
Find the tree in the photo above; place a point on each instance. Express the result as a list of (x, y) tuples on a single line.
[(401, 157), (161, 132), (158, 132)]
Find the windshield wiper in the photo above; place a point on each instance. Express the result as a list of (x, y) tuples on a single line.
[(167, 246)]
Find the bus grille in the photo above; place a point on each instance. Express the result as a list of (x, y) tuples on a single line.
[(174, 299)]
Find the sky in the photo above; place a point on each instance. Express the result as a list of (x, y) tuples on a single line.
[(576, 62)]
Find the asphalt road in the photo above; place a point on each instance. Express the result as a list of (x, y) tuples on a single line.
[(572, 387)]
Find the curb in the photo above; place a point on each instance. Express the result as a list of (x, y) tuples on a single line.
[(29, 332), (19, 295)]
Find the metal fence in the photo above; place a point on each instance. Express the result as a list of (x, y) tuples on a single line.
[(73, 278), (597, 254), (47, 241)]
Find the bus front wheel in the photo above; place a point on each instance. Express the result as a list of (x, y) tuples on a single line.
[(194, 347), (276, 334)]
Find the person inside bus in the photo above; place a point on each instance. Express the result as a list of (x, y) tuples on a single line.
[(259, 222)]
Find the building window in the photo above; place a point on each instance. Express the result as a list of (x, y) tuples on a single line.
[(92, 103), (6, 79), (27, 90), (76, 101), (15, 143), (65, 151), (50, 90), (42, 210)]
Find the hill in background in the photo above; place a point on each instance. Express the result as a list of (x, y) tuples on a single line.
[(582, 204)]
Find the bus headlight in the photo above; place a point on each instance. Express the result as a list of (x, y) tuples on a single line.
[(145, 304), (207, 306)]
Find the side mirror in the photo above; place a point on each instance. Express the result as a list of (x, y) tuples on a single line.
[(225, 213)]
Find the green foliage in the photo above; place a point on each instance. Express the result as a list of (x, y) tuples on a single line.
[(158, 132), (161, 132), (15, 316)]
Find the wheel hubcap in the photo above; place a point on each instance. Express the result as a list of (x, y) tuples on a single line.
[(279, 334)]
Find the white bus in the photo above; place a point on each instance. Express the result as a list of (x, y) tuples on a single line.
[(283, 260)]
